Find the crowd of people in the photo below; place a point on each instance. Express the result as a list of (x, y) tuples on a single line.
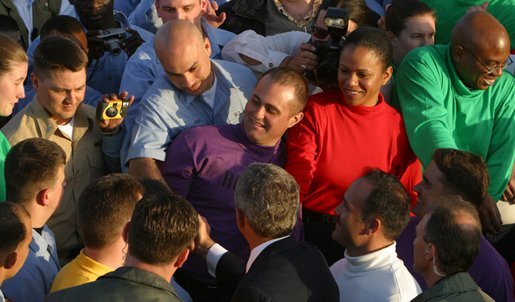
[(271, 150)]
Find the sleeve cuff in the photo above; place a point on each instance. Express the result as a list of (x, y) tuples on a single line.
[(213, 256)]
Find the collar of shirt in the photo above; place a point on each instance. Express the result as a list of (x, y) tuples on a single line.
[(43, 245), (258, 249), (315, 4), (2, 298)]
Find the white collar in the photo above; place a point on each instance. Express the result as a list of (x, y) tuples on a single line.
[(370, 261), (258, 249)]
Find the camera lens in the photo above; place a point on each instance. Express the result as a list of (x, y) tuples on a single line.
[(111, 111)]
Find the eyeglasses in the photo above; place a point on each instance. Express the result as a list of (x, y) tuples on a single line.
[(319, 32), (492, 68)]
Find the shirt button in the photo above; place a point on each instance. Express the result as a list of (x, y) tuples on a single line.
[(270, 65)]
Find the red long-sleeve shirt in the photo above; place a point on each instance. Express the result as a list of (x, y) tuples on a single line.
[(334, 143)]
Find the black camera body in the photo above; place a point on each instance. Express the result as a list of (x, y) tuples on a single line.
[(113, 38), (114, 109), (325, 73)]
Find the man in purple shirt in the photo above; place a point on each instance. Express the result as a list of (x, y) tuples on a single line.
[(454, 172), (204, 163)]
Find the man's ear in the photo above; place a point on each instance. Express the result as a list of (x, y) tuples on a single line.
[(10, 260), (457, 52), (125, 231), (35, 81), (240, 219), (183, 256), (42, 197), (430, 252), (294, 120), (207, 46), (371, 227)]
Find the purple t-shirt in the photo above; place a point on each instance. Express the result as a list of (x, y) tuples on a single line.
[(489, 270), (203, 164)]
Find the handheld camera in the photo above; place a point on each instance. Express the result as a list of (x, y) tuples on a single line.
[(114, 109)]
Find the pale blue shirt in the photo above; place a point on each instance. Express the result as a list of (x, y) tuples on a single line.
[(32, 283), (144, 67), (165, 111)]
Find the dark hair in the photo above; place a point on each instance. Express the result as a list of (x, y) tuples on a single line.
[(358, 9), (465, 171), (155, 187), (161, 227), (388, 201), (373, 39), (105, 206), (12, 226), (401, 10), (62, 24), (286, 76), (31, 166), (269, 197), (58, 53), (457, 244), (7, 24)]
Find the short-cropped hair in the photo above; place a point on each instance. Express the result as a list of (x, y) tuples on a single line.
[(373, 39), (388, 201), (286, 76), (269, 198), (62, 24), (12, 226), (465, 171), (457, 244), (58, 54), (105, 206), (161, 227), (31, 166), (400, 11)]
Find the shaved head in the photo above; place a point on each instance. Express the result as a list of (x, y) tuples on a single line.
[(480, 46), (481, 29), (184, 54)]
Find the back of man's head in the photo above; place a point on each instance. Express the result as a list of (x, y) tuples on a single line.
[(65, 26), (269, 198), (455, 231), (58, 54), (161, 228), (465, 172), (15, 230), (104, 208), (388, 201), (32, 165), (288, 77)]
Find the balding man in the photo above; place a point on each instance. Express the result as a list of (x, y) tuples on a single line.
[(457, 96), (193, 91), (445, 246)]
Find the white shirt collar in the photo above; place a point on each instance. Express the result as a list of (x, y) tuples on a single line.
[(258, 249)]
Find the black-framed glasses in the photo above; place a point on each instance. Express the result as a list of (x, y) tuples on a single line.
[(319, 32), (492, 68)]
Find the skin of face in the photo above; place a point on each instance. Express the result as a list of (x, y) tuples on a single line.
[(269, 112), (11, 87), (61, 92), (94, 14), (189, 10), (432, 184), (418, 31), (361, 76), (421, 256), (188, 67), (350, 227)]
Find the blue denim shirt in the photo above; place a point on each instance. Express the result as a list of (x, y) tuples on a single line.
[(166, 111), (32, 283)]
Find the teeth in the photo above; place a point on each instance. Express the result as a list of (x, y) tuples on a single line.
[(489, 82)]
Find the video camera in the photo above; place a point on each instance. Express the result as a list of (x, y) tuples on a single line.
[(328, 51)]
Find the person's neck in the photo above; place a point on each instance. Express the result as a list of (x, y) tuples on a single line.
[(431, 278), (370, 247), (112, 256), (38, 216), (165, 271), (297, 8)]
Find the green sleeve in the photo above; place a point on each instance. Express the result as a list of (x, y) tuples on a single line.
[(4, 148)]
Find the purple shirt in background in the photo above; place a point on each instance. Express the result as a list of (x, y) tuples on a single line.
[(203, 164), (489, 270)]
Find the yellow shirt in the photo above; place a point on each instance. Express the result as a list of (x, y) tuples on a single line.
[(79, 271)]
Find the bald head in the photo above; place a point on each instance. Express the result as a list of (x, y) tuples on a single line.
[(176, 37), (481, 28)]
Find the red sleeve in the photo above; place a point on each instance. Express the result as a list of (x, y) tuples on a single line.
[(301, 148)]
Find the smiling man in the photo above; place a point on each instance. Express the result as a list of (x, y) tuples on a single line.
[(204, 163), (56, 113), (194, 90), (457, 96)]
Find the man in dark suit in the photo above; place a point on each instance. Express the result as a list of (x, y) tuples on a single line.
[(279, 268)]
